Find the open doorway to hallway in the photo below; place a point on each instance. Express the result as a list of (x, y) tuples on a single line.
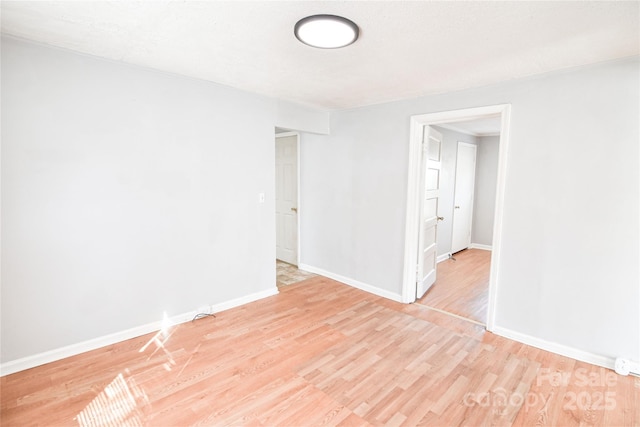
[(287, 208), (467, 198), (286, 194), (463, 285)]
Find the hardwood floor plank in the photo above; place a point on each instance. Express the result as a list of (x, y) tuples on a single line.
[(319, 353), (353, 421), (462, 286)]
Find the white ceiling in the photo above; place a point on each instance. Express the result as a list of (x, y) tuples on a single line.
[(405, 50)]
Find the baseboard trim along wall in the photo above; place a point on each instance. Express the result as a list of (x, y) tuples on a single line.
[(594, 359), (563, 350), (480, 246), (93, 344), (443, 257), (352, 282)]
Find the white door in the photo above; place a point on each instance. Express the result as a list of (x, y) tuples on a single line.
[(287, 199), (463, 196), (427, 251)]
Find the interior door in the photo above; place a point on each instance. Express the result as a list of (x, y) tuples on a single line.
[(427, 250), (287, 199), (463, 196)]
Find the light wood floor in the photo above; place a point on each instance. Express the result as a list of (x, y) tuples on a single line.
[(462, 286), (320, 353)]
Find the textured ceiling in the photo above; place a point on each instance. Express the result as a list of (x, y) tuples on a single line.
[(406, 49)]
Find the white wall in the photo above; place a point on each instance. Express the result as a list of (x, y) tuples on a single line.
[(127, 193), (569, 267), (485, 190), (351, 193), (297, 117)]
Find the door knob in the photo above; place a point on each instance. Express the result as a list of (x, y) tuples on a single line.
[(440, 218), (456, 207), (295, 210)]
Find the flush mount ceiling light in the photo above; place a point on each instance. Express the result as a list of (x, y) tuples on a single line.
[(326, 31)]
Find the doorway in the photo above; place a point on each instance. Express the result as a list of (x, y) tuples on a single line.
[(416, 191), (286, 195), (469, 152)]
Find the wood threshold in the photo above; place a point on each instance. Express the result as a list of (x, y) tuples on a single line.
[(447, 313)]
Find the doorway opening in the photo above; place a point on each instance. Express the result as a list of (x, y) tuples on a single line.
[(287, 195), (467, 202), (479, 221)]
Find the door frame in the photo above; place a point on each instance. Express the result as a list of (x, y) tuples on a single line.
[(417, 124), (297, 135)]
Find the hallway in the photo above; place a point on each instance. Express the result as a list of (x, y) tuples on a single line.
[(462, 286)]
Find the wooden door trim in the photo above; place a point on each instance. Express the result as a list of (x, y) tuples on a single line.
[(417, 124)]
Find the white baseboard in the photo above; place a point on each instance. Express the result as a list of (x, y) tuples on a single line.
[(28, 362), (352, 282), (443, 257), (563, 350), (237, 302), (480, 246)]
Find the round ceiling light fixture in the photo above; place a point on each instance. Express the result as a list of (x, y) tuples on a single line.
[(326, 31)]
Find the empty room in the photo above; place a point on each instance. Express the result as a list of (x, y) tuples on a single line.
[(308, 213)]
